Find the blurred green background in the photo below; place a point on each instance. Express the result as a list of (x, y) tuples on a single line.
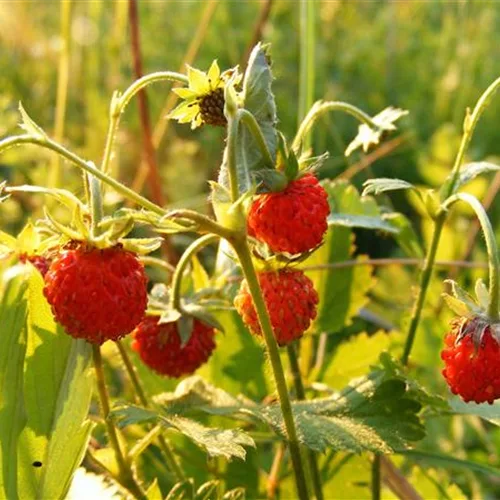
[(432, 58)]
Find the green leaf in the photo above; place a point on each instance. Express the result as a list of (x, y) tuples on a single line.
[(355, 357), (257, 98), (361, 221), (227, 443), (488, 412), (368, 136), (29, 125), (375, 413), (13, 313), (468, 173), (384, 184), (57, 391)]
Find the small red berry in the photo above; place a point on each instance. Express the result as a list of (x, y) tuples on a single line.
[(159, 346), (472, 361), (95, 294), (41, 263), (293, 220), (291, 301)]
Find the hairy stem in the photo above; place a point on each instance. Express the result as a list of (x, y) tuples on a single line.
[(165, 447), (470, 123), (245, 258), (301, 395), (125, 473), (87, 166), (319, 109), (182, 264)]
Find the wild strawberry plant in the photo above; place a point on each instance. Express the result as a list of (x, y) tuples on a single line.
[(75, 279)]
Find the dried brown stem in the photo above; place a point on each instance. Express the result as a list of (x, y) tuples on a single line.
[(396, 481), (264, 14)]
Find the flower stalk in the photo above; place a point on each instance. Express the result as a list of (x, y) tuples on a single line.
[(470, 123)]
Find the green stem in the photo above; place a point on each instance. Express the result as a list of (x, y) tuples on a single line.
[(376, 477), (301, 395), (95, 202), (182, 264), (87, 166), (142, 444), (166, 449), (470, 123), (424, 284), (205, 224), (491, 245), (307, 63), (251, 123), (232, 134), (138, 85), (125, 473), (320, 108), (243, 252)]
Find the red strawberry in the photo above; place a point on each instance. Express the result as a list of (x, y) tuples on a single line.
[(159, 346), (472, 360), (291, 301), (95, 294), (293, 220)]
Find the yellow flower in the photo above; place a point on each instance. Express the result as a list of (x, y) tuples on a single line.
[(204, 97)]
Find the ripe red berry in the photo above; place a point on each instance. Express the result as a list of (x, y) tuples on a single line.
[(472, 363), (95, 294), (159, 346), (291, 301), (293, 220), (41, 263)]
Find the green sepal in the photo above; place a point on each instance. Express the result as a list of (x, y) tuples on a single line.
[(460, 302), (201, 313), (482, 294), (141, 246), (185, 325), (432, 203), (270, 180), (71, 234), (29, 125), (230, 215)]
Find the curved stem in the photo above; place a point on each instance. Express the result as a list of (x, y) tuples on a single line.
[(491, 246), (205, 223), (164, 445), (147, 260), (470, 122), (319, 109), (84, 165), (182, 264), (469, 127), (251, 123), (159, 76), (245, 258), (301, 395), (125, 473)]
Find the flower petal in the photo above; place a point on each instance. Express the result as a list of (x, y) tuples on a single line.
[(213, 75), (198, 81), (184, 93)]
